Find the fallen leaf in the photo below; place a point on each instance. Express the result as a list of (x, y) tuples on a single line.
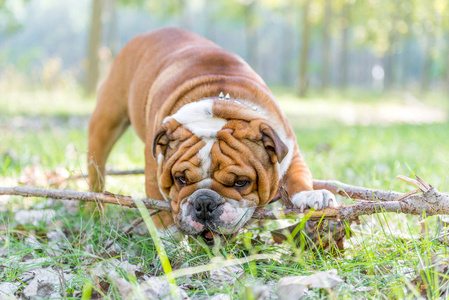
[(45, 284), (256, 292), (7, 289), (158, 288), (34, 176), (34, 217), (226, 275), (220, 297), (322, 235), (123, 286), (293, 287), (102, 269), (437, 269)]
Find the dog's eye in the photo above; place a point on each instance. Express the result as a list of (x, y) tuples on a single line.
[(241, 183), (181, 180)]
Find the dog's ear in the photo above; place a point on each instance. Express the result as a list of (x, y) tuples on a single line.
[(273, 143), (160, 139)]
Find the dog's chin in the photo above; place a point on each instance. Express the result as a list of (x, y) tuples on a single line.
[(210, 237)]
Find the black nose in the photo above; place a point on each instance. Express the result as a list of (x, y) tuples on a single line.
[(204, 206)]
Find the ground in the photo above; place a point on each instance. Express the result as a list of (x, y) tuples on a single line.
[(357, 138)]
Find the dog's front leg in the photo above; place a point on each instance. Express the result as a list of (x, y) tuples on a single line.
[(299, 185)]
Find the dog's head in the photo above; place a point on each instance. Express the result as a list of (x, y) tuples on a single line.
[(218, 160)]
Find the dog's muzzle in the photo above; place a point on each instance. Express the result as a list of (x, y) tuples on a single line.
[(205, 202)]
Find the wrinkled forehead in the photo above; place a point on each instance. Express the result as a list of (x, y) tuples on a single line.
[(206, 117)]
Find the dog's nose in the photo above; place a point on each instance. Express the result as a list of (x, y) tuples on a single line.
[(204, 207)]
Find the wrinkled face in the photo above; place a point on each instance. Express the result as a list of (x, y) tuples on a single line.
[(215, 170)]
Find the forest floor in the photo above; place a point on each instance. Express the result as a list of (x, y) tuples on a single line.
[(49, 248)]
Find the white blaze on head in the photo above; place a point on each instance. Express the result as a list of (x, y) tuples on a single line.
[(205, 156), (198, 118)]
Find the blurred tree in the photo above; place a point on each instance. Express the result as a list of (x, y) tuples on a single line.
[(345, 23), (112, 40), (168, 8), (325, 44), (287, 10), (93, 61), (11, 16), (393, 15), (237, 11), (304, 54), (405, 28), (249, 13), (431, 18)]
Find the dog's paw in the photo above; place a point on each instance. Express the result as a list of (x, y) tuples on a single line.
[(317, 199)]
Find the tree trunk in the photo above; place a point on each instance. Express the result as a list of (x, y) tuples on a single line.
[(447, 64), (287, 44), (305, 42), (93, 63), (251, 35), (427, 64), (390, 62), (112, 39), (343, 79), (326, 46), (405, 62)]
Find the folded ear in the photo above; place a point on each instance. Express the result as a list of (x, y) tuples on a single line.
[(160, 139), (273, 143), (161, 136)]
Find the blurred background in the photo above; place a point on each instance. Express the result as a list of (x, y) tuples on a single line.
[(303, 46), (365, 84)]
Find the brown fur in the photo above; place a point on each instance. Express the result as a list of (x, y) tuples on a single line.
[(156, 74)]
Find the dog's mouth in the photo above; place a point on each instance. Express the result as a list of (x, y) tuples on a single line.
[(209, 236)]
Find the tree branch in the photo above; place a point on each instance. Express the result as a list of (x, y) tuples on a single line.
[(431, 201)]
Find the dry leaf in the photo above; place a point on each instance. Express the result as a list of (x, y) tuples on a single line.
[(7, 289), (34, 217), (438, 269), (320, 235), (294, 287), (34, 175), (221, 297), (256, 292), (158, 288), (226, 275), (104, 268), (45, 284)]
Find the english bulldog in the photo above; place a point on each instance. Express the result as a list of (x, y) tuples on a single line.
[(217, 145)]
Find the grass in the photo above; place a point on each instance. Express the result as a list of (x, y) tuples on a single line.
[(44, 131)]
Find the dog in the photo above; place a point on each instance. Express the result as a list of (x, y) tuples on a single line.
[(217, 145)]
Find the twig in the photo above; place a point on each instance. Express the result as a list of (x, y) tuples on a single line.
[(112, 173), (431, 201), (354, 192), (83, 196)]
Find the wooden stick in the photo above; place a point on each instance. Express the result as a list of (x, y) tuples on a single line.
[(431, 201), (83, 196)]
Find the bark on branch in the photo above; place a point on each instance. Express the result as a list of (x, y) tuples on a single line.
[(431, 201)]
